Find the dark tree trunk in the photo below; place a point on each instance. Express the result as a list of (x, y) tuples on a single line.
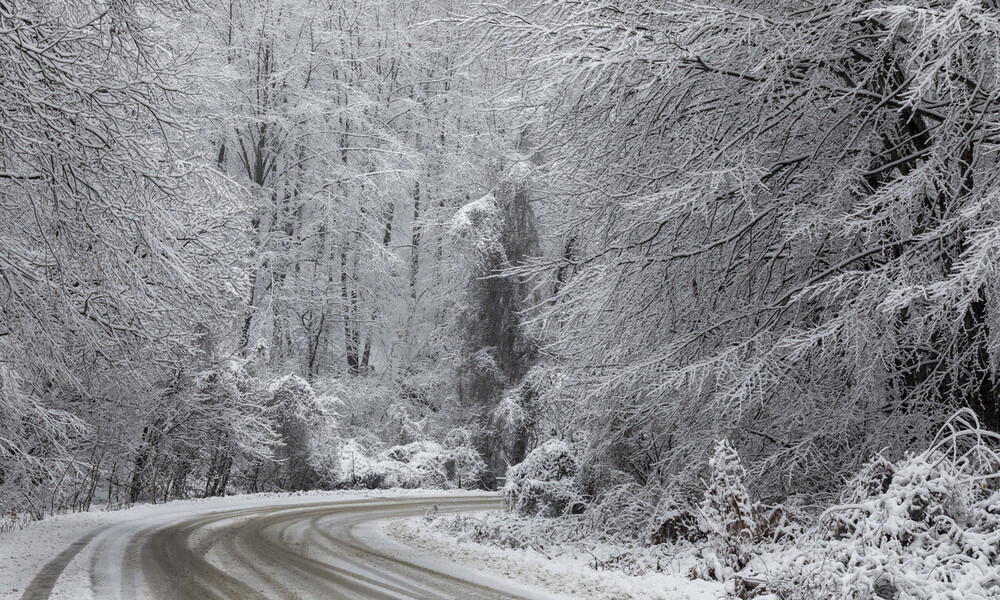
[(415, 242)]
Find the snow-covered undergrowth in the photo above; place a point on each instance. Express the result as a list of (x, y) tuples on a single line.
[(12, 520), (421, 464), (565, 537), (924, 527), (544, 483), (555, 557), (549, 517)]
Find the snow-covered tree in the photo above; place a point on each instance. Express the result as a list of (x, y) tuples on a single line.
[(352, 128), (498, 349), (779, 223), (121, 247)]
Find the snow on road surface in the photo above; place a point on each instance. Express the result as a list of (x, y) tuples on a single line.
[(291, 546)]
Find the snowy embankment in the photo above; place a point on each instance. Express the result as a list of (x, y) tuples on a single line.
[(566, 569)]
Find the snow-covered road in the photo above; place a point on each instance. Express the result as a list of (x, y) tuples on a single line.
[(263, 548)]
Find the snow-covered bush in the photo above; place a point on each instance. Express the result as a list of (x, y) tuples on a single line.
[(298, 416), (221, 417), (508, 433), (546, 396), (11, 520), (510, 419), (402, 427), (566, 536), (417, 464), (381, 412), (675, 518), (622, 512), (926, 527), (479, 221), (466, 465), (358, 469), (545, 482), (729, 517), (325, 439)]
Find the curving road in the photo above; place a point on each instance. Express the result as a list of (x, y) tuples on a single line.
[(285, 551)]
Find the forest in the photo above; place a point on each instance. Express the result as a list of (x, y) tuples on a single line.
[(650, 253)]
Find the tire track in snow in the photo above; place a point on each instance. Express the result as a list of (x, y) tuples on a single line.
[(286, 551), (45, 580), (281, 551)]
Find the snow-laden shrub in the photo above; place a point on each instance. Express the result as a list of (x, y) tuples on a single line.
[(479, 222), (309, 451), (674, 519), (372, 411), (402, 427), (622, 512), (508, 433), (222, 419), (545, 482), (358, 468), (457, 438), (510, 419), (729, 517), (547, 397), (563, 536), (12, 520), (417, 464), (325, 439), (298, 417), (925, 527), (466, 466)]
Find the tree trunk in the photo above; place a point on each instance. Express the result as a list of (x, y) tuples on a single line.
[(415, 242)]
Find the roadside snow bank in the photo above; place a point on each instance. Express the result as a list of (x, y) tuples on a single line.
[(566, 569)]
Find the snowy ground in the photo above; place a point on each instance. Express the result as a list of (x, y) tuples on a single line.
[(568, 574)]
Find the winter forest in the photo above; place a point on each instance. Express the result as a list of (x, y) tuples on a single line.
[(723, 274)]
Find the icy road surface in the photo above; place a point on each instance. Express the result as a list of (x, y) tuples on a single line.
[(282, 548)]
